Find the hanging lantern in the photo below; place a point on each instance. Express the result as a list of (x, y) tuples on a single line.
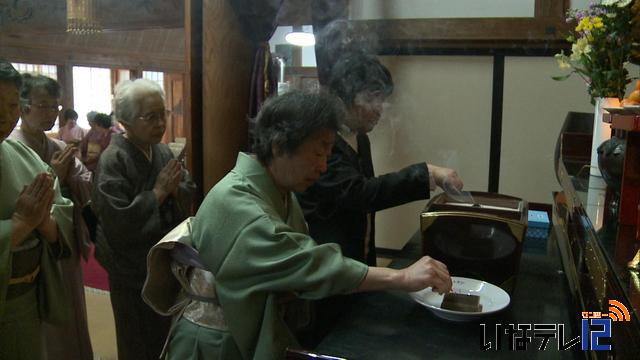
[(81, 17)]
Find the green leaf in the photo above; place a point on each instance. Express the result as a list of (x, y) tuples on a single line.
[(561, 78)]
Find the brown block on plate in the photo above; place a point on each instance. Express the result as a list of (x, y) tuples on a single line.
[(461, 302)]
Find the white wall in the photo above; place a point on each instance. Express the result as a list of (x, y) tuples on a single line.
[(580, 4), (415, 9), (534, 109), (441, 114)]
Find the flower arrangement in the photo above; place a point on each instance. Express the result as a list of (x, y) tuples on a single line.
[(601, 44)]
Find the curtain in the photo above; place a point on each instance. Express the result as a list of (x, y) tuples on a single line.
[(258, 19)]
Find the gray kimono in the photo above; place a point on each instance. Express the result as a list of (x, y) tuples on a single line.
[(130, 219)]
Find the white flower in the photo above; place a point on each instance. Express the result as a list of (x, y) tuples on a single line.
[(562, 61), (619, 3), (580, 48)]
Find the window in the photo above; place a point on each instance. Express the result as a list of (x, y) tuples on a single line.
[(154, 76), (91, 92), (46, 70)]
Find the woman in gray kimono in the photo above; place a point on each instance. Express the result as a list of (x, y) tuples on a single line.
[(140, 193), (251, 235)]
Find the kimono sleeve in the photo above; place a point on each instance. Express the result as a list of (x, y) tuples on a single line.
[(6, 227), (344, 187), (62, 211), (114, 199), (270, 257), (185, 193)]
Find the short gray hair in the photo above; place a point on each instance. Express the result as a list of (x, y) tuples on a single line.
[(289, 119), (128, 95)]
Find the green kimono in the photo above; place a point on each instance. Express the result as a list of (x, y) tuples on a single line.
[(22, 311), (259, 251)]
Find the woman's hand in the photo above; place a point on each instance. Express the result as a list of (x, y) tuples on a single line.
[(32, 208), (168, 180), (427, 272), (61, 162), (424, 273), (446, 178)]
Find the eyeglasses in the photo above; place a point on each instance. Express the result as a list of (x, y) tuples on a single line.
[(155, 117), (56, 108)]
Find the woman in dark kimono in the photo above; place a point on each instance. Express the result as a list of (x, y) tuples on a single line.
[(340, 207), (140, 193)]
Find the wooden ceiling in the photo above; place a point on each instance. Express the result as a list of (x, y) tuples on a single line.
[(139, 34)]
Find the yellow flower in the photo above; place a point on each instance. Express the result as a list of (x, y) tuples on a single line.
[(584, 24), (597, 22), (589, 23)]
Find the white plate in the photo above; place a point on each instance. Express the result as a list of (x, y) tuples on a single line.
[(492, 299)]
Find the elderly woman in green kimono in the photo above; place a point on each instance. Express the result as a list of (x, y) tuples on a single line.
[(36, 229), (251, 236)]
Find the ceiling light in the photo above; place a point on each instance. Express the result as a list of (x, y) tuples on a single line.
[(300, 38)]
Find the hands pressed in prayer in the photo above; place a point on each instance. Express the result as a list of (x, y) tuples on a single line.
[(61, 162), (168, 180), (33, 209)]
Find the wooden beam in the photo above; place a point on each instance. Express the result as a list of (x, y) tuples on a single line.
[(466, 33), (158, 50), (193, 94), (113, 60), (47, 16), (551, 8)]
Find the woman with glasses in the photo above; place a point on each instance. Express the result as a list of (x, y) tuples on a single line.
[(140, 193), (40, 100), (36, 230)]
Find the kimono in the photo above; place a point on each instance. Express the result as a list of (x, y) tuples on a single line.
[(24, 307), (71, 132), (340, 207), (92, 146), (254, 240), (70, 341), (130, 222)]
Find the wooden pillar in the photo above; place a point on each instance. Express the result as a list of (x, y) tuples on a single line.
[(65, 78), (135, 74), (227, 60), (193, 93)]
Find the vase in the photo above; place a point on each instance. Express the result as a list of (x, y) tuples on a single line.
[(601, 130)]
